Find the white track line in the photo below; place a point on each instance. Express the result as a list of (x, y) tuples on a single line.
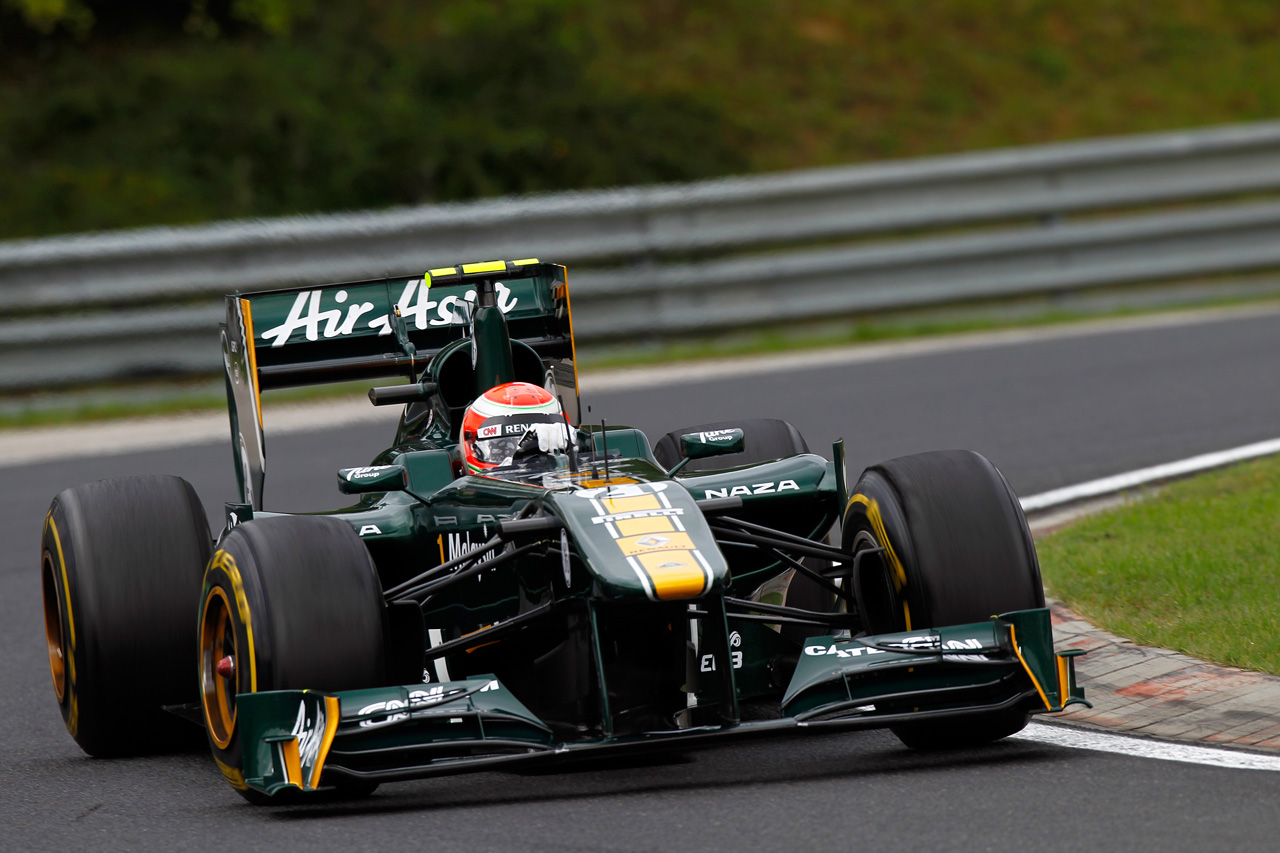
[(1077, 738), (1145, 476)]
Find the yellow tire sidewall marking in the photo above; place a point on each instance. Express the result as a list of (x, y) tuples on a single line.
[(73, 703), (224, 562), (234, 776), (877, 524)]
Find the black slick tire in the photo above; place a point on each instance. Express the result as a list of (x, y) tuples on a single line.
[(763, 439), (120, 566), (296, 603), (958, 550)]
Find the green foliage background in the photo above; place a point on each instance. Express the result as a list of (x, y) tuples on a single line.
[(172, 111)]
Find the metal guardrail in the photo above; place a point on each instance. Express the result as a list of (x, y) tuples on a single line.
[(673, 260)]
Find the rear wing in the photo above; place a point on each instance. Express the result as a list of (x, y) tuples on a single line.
[(379, 328)]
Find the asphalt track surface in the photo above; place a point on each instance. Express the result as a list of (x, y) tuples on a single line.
[(1049, 413)]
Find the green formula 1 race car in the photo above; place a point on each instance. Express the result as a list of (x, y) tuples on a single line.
[(513, 587)]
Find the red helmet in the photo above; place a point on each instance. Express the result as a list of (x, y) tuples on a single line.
[(499, 418)]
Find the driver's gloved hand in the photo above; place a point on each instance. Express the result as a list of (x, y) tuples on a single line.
[(552, 438)]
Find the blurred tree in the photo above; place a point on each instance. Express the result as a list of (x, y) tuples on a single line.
[(44, 16), (359, 108), (277, 17), (132, 112), (79, 18)]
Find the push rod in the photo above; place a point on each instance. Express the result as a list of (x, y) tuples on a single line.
[(435, 571), (438, 584), (783, 620), (837, 554), (780, 610), (821, 581), (487, 635), (396, 591), (811, 549)]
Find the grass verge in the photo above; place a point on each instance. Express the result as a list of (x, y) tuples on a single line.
[(1192, 568)]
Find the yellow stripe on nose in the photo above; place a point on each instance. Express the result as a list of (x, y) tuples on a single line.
[(618, 505), (675, 574), (640, 526), (634, 546)]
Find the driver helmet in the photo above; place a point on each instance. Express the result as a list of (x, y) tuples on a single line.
[(499, 418)]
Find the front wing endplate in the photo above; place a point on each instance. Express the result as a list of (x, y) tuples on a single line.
[(984, 664)]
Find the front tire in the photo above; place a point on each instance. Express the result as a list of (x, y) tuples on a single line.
[(957, 550), (295, 603), (120, 568)]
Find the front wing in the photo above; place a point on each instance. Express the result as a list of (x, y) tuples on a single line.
[(303, 739)]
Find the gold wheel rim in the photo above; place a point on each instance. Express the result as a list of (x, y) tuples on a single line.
[(53, 628), (217, 694)]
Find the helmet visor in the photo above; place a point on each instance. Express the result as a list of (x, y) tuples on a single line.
[(498, 438)]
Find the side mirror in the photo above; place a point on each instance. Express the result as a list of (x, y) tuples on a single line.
[(375, 478), (392, 395), (700, 445)]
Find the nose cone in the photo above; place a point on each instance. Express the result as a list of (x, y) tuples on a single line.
[(643, 540)]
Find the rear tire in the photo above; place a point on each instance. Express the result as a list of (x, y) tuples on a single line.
[(959, 551), (763, 439), (120, 566), (296, 603)]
